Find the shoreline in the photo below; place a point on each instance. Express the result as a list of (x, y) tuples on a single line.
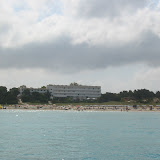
[(80, 111), (101, 108)]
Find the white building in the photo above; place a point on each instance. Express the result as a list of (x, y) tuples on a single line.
[(39, 90), (75, 91)]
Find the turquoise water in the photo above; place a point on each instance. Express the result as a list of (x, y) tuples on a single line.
[(49, 135)]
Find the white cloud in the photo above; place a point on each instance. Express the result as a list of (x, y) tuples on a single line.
[(71, 36), (26, 26)]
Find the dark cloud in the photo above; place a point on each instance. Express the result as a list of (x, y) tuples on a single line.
[(107, 8), (63, 56)]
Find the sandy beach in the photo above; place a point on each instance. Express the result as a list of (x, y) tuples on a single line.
[(123, 108)]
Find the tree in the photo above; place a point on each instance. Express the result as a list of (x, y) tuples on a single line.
[(44, 87), (14, 91), (11, 96), (35, 97), (158, 94), (109, 97), (124, 94), (74, 84), (143, 94), (26, 96), (3, 93)]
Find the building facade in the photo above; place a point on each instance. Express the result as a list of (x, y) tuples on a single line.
[(39, 90), (75, 91)]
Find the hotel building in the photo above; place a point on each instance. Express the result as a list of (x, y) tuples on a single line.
[(74, 90)]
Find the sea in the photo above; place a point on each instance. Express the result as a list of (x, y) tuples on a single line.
[(79, 135)]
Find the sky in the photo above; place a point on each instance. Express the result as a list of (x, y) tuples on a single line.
[(112, 44)]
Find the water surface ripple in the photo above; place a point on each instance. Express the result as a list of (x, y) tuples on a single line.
[(57, 135)]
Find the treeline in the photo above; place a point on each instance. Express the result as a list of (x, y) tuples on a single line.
[(35, 97), (8, 97), (141, 95)]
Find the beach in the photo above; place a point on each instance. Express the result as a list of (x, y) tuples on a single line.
[(121, 108)]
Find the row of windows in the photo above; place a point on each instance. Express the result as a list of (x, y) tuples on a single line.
[(80, 90), (76, 94), (76, 91), (38, 90), (62, 91), (72, 88)]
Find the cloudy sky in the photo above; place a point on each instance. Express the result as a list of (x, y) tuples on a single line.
[(114, 44)]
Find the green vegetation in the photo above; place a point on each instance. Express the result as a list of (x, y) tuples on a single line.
[(35, 97), (138, 96), (8, 97), (44, 87), (74, 84), (141, 96)]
